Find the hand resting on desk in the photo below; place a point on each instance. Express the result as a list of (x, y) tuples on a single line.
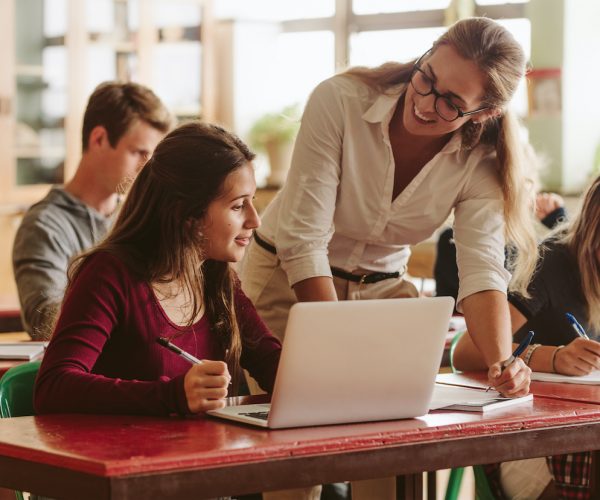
[(206, 386)]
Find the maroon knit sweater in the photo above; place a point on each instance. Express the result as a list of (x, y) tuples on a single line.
[(104, 358)]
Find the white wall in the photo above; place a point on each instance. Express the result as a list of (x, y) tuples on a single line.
[(581, 103)]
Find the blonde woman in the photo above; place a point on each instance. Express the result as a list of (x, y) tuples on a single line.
[(383, 156), (566, 281)]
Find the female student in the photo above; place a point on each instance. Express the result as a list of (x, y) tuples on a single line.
[(567, 281), (382, 157), (163, 271)]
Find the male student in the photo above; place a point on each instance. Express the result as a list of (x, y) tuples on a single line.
[(122, 124)]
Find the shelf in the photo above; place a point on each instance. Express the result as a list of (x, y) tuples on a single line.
[(29, 70), (32, 153)]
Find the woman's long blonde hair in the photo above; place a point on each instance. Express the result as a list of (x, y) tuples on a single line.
[(583, 240), (157, 233), (501, 59)]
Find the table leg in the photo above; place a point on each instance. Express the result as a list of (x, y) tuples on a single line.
[(409, 487), (595, 479), (431, 485)]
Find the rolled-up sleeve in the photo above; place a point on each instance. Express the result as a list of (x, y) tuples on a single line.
[(479, 233), (310, 193)]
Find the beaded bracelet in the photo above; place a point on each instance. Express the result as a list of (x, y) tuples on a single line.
[(529, 353), (554, 357)]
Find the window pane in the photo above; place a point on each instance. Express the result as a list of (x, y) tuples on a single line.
[(384, 6), (176, 76), (521, 30), (55, 19), (371, 48), (496, 2), (280, 72), (100, 16), (172, 13), (273, 10), (103, 68)]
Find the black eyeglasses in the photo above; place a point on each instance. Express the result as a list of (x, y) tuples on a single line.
[(444, 107)]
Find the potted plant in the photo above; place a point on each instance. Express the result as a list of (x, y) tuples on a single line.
[(274, 134)]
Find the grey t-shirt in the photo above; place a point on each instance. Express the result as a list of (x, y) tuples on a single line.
[(555, 290), (52, 232)]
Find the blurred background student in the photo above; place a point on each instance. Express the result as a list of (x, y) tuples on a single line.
[(549, 210), (122, 124)]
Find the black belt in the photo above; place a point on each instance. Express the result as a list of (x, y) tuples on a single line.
[(340, 273)]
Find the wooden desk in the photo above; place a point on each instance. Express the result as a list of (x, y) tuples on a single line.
[(102, 457), (568, 392)]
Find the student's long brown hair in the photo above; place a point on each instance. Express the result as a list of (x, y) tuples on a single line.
[(158, 230), (583, 240), (501, 59)]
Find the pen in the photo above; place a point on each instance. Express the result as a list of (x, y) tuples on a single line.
[(576, 326), (518, 351), (180, 352)]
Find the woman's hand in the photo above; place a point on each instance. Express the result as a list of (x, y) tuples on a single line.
[(580, 357), (206, 386), (512, 381)]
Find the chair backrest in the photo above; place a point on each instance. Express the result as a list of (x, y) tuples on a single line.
[(455, 340), (16, 390)]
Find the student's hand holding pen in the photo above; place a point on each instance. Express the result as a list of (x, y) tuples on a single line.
[(512, 381), (579, 357), (206, 386), (512, 376)]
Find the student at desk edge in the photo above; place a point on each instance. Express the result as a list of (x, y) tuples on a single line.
[(164, 271), (566, 281), (382, 157)]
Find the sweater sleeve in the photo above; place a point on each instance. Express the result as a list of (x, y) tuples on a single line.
[(40, 260), (260, 349), (95, 304)]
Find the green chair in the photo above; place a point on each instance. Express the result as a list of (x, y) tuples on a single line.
[(16, 394), (482, 487)]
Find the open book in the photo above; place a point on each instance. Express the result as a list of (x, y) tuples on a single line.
[(592, 378), (27, 351), (449, 397)]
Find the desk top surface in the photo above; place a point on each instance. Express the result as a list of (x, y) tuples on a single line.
[(569, 392), (117, 445)]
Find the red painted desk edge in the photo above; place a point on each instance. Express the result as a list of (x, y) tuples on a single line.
[(380, 435)]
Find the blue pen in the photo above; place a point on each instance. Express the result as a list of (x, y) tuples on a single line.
[(518, 351), (576, 326), (520, 348)]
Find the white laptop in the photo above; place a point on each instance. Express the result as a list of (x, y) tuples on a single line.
[(354, 361)]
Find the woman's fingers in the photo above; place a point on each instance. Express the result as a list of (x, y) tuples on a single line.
[(513, 381), (206, 386)]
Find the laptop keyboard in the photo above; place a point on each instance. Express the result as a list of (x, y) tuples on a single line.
[(263, 415)]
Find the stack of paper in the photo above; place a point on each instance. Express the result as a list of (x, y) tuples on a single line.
[(449, 397), (22, 350), (592, 378)]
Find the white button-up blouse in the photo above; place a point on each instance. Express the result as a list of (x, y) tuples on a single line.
[(336, 208)]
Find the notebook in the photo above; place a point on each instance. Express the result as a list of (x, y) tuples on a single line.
[(354, 361), (453, 398), (27, 351), (592, 378)]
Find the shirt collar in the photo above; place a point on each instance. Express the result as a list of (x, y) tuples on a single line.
[(383, 107)]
